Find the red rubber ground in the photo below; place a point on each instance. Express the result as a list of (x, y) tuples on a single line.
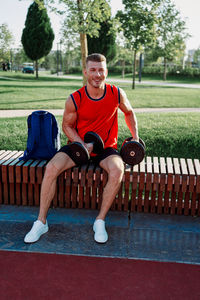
[(28, 276)]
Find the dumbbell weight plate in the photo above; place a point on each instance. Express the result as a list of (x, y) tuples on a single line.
[(98, 144), (142, 143), (79, 153), (132, 152)]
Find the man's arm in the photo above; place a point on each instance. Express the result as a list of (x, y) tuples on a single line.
[(69, 121), (129, 114), (68, 124)]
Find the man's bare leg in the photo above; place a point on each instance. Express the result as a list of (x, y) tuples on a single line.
[(114, 166), (54, 168)]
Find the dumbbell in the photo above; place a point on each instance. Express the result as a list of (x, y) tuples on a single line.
[(132, 152), (79, 152)]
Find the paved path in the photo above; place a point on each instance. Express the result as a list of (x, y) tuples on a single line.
[(154, 237), (158, 83), (121, 80), (59, 112)]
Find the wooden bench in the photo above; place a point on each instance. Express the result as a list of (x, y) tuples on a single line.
[(156, 185)]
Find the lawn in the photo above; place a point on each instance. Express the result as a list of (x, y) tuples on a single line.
[(166, 134), (174, 135), (23, 91)]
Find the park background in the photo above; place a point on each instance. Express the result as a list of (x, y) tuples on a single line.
[(172, 133), (168, 117)]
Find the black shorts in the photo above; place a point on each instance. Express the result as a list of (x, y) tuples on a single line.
[(95, 159)]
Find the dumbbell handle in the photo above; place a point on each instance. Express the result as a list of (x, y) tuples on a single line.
[(94, 139), (89, 147)]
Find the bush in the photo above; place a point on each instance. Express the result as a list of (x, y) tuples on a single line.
[(172, 71), (118, 69), (158, 70), (74, 70)]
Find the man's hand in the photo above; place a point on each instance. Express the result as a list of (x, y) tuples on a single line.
[(135, 140), (89, 147)]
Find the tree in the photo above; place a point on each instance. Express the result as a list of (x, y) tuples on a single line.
[(71, 44), (6, 39), (18, 58), (138, 23), (105, 43), (196, 57), (124, 55), (83, 17), (171, 32), (37, 36)]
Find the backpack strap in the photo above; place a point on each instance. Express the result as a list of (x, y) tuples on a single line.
[(48, 133), (35, 123), (34, 131)]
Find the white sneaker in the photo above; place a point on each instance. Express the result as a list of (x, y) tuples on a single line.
[(36, 231), (100, 234)]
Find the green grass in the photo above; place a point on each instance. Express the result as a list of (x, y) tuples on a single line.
[(23, 91), (170, 78), (173, 135), (145, 96), (166, 134)]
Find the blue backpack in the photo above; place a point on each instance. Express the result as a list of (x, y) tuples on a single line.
[(43, 136)]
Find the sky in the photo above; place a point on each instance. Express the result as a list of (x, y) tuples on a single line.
[(13, 12)]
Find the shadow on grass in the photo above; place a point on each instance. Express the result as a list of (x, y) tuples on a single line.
[(145, 86), (74, 87), (32, 101), (40, 79), (7, 92), (170, 79)]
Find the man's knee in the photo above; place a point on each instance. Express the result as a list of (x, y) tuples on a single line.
[(116, 171), (52, 169)]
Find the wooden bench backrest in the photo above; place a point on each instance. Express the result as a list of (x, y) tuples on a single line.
[(156, 185)]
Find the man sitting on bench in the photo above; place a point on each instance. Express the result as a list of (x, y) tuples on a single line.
[(93, 108)]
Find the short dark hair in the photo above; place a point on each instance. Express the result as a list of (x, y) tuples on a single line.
[(97, 57)]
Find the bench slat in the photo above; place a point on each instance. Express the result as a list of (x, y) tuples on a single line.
[(177, 172), (141, 186), (156, 173), (68, 179), (197, 170), (75, 186), (184, 172), (162, 185), (191, 175), (148, 184)]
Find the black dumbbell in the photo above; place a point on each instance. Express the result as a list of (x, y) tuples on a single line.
[(79, 152), (96, 140), (132, 152)]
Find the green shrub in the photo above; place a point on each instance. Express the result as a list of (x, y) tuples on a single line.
[(165, 134), (172, 71)]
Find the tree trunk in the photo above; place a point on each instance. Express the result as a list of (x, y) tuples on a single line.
[(83, 41), (134, 70), (165, 69), (140, 68), (84, 53), (36, 68), (123, 68)]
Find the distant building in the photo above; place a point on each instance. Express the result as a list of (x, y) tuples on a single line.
[(190, 57)]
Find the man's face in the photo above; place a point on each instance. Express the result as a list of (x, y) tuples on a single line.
[(96, 73)]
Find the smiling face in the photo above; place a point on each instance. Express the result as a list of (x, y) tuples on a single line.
[(96, 73)]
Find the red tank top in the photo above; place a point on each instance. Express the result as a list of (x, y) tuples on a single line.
[(98, 115)]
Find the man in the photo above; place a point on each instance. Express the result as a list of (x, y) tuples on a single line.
[(91, 108)]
